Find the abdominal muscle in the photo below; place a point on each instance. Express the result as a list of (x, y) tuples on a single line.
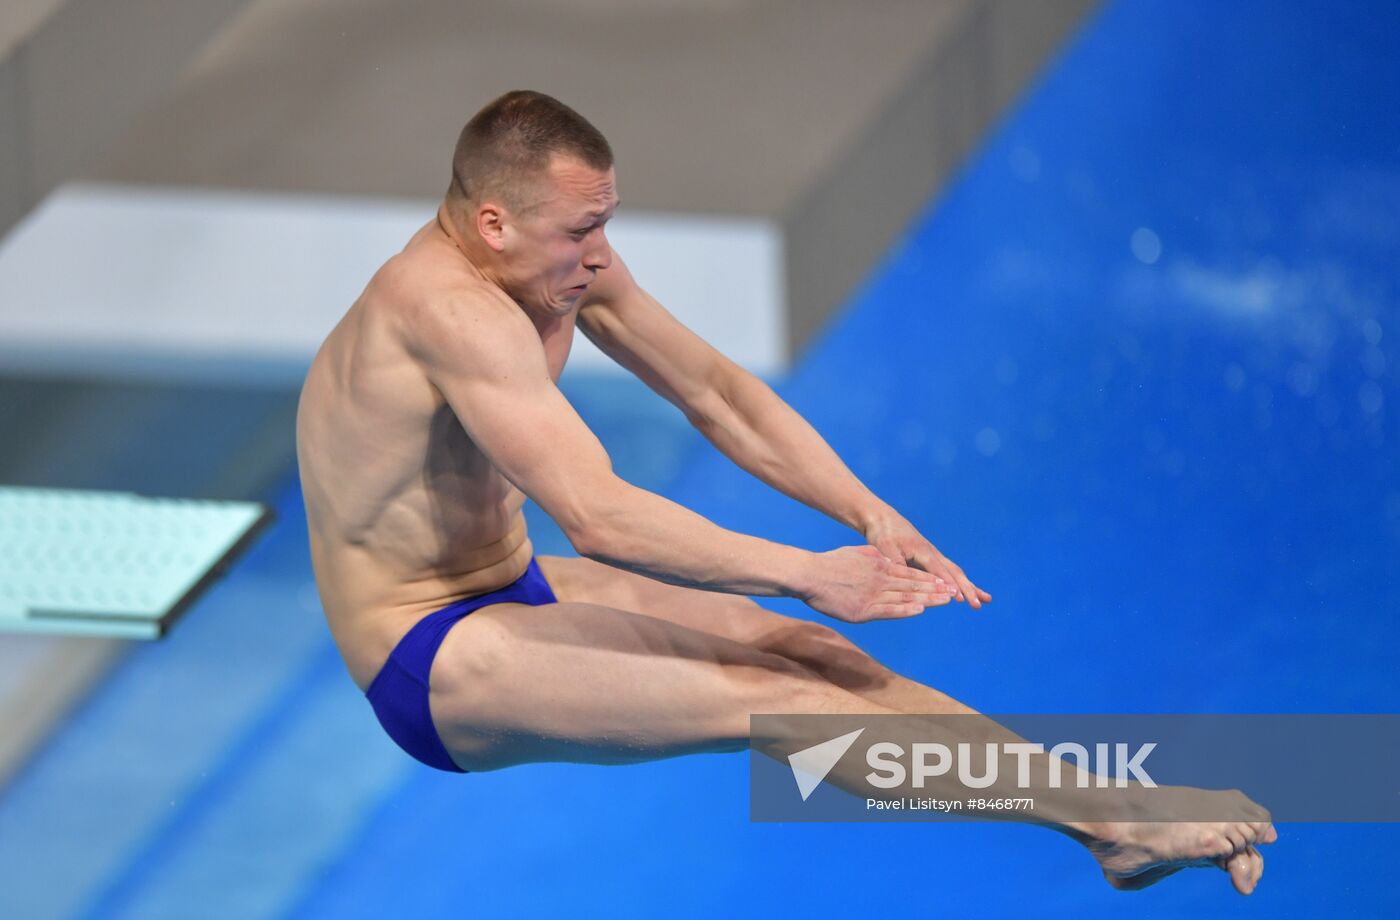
[(372, 601)]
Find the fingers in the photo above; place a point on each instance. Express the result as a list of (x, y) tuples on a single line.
[(933, 562), (924, 598), (963, 587), (891, 551), (899, 570), (891, 604), (918, 581), (967, 589), (893, 611), (932, 589), (935, 565), (925, 581), (905, 603), (927, 593), (890, 563)]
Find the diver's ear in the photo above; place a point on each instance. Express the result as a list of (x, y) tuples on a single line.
[(491, 224)]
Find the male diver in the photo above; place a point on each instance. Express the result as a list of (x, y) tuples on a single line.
[(431, 412)]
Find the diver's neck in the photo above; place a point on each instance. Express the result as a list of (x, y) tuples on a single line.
[(472, 255)]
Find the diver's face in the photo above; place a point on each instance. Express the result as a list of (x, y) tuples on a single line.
[(552, 252)]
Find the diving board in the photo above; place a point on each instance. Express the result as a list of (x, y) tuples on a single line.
[(113, 564)]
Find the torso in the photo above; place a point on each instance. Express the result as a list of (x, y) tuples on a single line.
[(406, 515)]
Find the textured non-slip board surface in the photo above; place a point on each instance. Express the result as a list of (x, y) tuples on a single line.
[(111, 563)]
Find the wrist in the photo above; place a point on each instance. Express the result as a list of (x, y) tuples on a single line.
[(799, 572), (872, 515)]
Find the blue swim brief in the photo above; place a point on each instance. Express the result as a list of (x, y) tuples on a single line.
[(399, 693)]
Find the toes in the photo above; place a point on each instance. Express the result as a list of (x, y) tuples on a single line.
[(1264, 832), (1246, 868), (1241, 869), (1222, 843), (1216, 845)]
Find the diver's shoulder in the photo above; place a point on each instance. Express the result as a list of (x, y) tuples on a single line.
[(432, 306), (419, 283)]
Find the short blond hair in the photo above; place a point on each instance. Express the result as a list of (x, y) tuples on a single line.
[(507, 146)]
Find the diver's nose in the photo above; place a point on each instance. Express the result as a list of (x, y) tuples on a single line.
[(599, 257)]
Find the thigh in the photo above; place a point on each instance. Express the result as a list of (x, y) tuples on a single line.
[(589, 683), (814, 645)]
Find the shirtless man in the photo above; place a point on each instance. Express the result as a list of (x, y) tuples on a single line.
[(430, 413)]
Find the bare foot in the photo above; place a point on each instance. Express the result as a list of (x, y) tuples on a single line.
[(1136, 854)]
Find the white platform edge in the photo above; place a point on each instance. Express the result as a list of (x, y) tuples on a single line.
[(163, 283)]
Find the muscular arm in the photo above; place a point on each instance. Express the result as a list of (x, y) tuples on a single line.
[(746, 420), (485, 357), (736, 411)]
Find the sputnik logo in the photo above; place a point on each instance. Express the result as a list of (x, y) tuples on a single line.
[(811, 765)]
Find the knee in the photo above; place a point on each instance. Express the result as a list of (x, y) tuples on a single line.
[(830, 654), (774, 684), (805, 641)]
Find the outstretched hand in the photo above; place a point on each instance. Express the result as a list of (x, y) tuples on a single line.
[(857, 584), (899, 542)]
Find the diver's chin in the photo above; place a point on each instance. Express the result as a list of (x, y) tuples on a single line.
[(559, 305)]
